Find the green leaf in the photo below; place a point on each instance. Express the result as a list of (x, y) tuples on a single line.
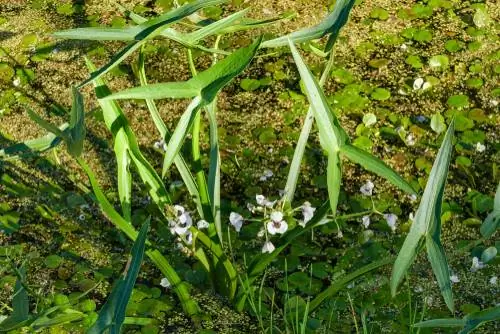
[(76, 129), (330, 25), (492, 221), (298, 154), (207, 83), (20, 305), (331, 134), (333, 180), (450, 322), (112, 313), (33, 146), (142, 33), (179, 161), (376, 166), (427, 223), (437, 123)]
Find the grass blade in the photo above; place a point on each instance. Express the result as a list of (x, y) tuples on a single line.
[(32, 146), (46, 125), (76, 125), (179, 161), (492, 221), (20, 305), (298, 154), (375, 165), (215, 28), (450, 322), (336, 286), (427, 223), (180, 132), (123, 175), (330, 25), (99, 34), (112, 313), (214, 168)]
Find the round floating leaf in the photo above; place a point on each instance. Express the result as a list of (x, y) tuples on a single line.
[(489, 254), (463, 161), (380, 94), (53, 261), (439, 62), (458, 101), (249, 84), (65, 9), (481, 18), (463, 123), (437, 123), (474, 82), (369, 119), (378, 62), (379, 13), (363, 143), (453, 45), (414, 61), (423, 36), (267, 136)]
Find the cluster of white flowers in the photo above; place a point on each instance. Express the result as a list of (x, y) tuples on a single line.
[(454, 278), (181, 224), (365, 220), (410, 139), (274, 218), (160, 145)]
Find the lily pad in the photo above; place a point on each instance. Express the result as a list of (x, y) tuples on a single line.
[(380, 94)]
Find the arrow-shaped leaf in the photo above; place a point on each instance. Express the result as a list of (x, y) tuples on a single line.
[(427, 223)]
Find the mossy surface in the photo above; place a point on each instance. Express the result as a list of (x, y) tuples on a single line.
[(383, 50)]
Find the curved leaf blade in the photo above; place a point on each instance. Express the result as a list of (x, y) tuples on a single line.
[(330, 25), (377, 166)]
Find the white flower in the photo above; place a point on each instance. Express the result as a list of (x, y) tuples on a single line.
[(365, 221), (277, 224), (476, 264), (494, 103), (16, 82), (251, 207), (417, 84), (236, 220), (454, 279), (268, 247), (391, 220), (480, 147), (426, 85), (410, 140), (263, 201), (411, 216), (401, 91), (183, 222), (164, 282), (81, 217), (307, 212), (404, 47), (367, 188), (267, 174), (412, 197), (493, 280), (202, 224), (340, 235)]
